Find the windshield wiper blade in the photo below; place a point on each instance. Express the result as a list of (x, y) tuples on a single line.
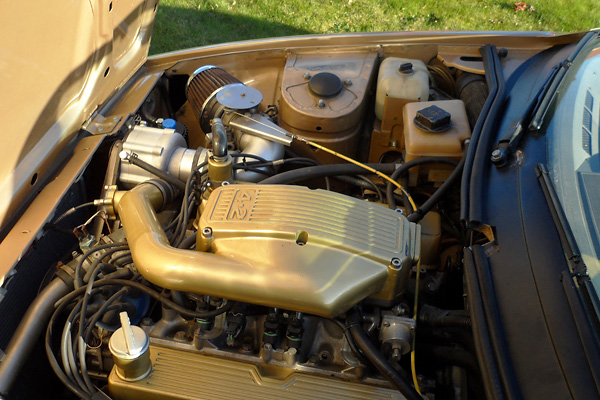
[(577, 267), (538, 118)]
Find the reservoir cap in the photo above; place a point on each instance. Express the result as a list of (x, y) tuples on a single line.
[(406, 68), (169, 123), (433, 119)]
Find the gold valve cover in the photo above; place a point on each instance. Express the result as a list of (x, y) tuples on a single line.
[(312, 250), (183, 375)]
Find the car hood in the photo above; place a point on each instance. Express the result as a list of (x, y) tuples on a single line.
[(60, 61)]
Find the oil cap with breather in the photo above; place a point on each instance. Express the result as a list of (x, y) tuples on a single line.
[(129, 346)]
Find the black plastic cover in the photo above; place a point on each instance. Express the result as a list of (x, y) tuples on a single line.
[(325, 84), (433, 119)]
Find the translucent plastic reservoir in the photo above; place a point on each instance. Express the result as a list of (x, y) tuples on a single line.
[(447, 143), (401, 78)]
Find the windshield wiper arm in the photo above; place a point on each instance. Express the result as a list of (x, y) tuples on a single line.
[(535, 111), (510, 141)]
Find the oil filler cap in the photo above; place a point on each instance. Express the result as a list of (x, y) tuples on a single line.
[(129, 346), (325, 84), (433, 119)]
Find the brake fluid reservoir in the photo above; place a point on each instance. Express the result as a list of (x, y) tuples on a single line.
[(401, 78)]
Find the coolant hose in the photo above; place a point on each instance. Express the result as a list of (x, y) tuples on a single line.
[(26, 336), (420, 212), (321, 171), (437, 317), (403, 168), (365, 345)]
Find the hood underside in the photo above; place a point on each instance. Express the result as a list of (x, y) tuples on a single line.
[(60, 61)]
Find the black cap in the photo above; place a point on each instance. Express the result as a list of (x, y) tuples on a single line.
[(325, 84), (406, 68), (433, 119)]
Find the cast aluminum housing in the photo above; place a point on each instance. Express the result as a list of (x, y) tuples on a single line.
[(312, 250)]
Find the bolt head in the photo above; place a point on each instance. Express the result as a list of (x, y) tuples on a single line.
[(321, 103), (306, 76)]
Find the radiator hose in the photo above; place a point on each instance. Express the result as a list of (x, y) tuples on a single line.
[(26, 336)]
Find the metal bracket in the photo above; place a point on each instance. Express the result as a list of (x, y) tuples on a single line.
[(101, 125)]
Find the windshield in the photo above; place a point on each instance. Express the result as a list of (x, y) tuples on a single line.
[(573, 153)]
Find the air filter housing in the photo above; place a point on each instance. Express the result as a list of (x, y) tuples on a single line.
[(202, 88)]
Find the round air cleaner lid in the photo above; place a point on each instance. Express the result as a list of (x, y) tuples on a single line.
[(325, 84), (239, 96)]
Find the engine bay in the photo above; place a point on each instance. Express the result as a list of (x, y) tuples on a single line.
[(286, 234)]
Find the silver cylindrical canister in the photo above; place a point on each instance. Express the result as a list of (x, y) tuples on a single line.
[(129, 346)]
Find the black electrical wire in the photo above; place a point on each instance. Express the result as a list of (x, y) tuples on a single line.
[(155, 295), (98, 261), (70, 365), (181, 236), (86, 299), (122, 260), (78, 281), (182, 219), (252, 169), (66, 300), (374, 356), (60, 374), (246, 155), (96, 317), (187, 242), (185, 210)]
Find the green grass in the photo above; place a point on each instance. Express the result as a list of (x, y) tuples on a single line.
[(190, 23)]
